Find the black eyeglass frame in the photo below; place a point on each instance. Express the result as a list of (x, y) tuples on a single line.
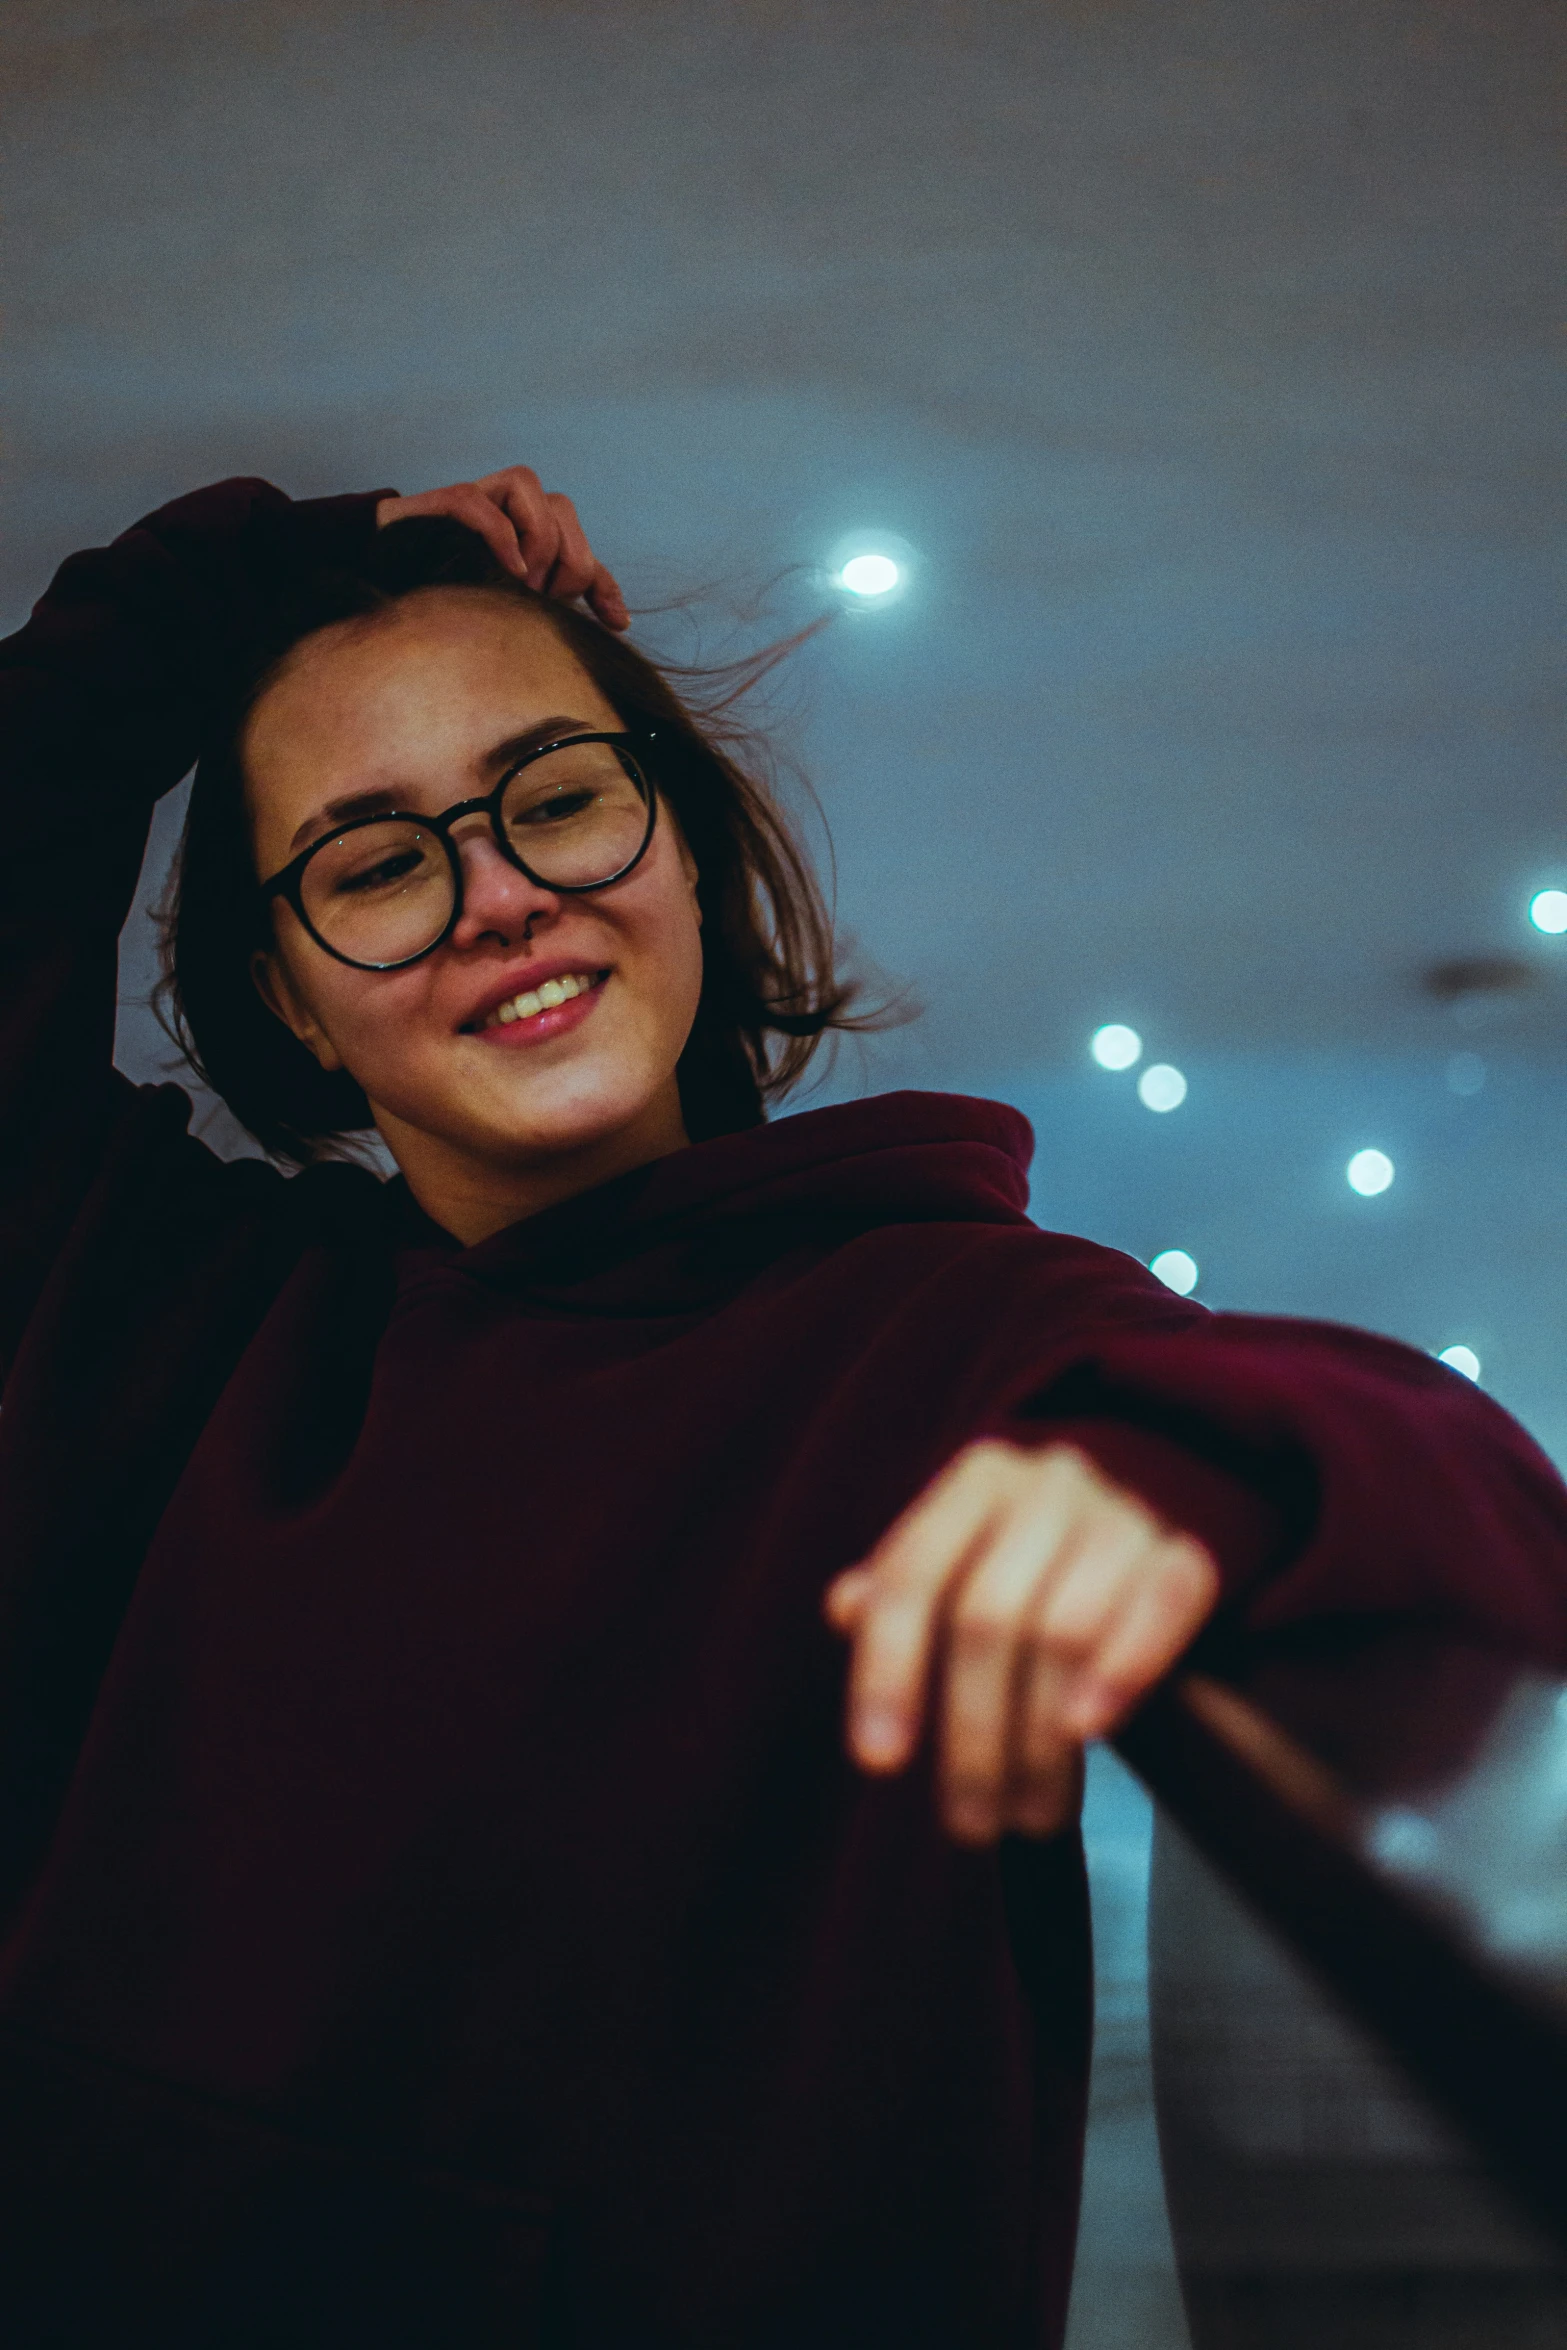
[(288, 881)]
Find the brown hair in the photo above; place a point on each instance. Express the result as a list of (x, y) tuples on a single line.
[(769, 988)]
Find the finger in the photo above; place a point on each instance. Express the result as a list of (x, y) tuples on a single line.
[(984, 1650), (499, 534), (845, 1598), (1049, 1803), (463, 502), (1025, 1617), (606, 599), (912, 1566), (519, 495), (578, 571), (1163, 1612), (467, 504), (1093, 1573), (1071, 1617), (575, 562)]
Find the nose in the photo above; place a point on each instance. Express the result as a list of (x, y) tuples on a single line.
[(497, 900)]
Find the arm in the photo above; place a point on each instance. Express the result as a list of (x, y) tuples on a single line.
[(1280, 1473), (1392, 1486), (102, 700), (104, 696)]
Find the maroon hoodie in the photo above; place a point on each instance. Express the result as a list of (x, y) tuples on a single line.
[(437, 1906)]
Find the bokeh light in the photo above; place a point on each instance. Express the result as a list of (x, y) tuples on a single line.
[(869, 575), (1115, 1047), (1548, 910), (1176, 1270), (1369, 1172), (1461, 1358), (1161, 1087)]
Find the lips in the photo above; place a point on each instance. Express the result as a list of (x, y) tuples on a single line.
[(548, 996), (530, 982), (553, 1013)]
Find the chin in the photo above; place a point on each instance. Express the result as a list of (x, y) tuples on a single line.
[(504, 1112), (572, 1115)]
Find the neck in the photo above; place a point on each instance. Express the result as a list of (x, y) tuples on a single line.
[(473, 1195)]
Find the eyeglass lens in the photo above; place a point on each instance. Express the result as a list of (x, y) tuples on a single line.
[(383, 892)]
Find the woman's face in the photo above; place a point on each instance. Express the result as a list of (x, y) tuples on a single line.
[(419, 706)]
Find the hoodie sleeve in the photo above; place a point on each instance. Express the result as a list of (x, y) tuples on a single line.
[(103, 697), (1333, 1474)]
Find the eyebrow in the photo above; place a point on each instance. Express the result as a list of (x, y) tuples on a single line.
[(382, 800)]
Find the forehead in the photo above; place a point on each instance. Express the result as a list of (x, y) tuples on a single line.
[(426, 687)]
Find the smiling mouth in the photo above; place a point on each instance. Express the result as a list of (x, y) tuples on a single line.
[(547, 997)]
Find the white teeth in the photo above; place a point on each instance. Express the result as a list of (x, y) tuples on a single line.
[(541, 999)]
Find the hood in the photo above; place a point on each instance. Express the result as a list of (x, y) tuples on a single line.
[(899, 1158)]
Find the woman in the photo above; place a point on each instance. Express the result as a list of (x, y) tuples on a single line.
[(440, 1907)]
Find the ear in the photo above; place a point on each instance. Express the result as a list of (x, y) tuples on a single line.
[(277, 992)]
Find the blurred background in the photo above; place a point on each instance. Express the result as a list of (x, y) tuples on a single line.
[(1192, 364)]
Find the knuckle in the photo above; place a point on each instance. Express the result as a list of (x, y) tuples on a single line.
[(992, 1456), (891, 1579), (1121, 1676), (1057, 1629), (1058, 1651), (980, 1630), (1042, 1811), (1039, 1742), (1041, 1784), (1060, 1476), (892, 1621), (948, 1478), (979, 1472), (1186, 1565), (1078, 1472), (1063, 1458)]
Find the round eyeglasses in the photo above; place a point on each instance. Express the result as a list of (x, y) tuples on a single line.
[(383, 891)]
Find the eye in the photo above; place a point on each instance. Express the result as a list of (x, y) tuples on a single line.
[(383, 874), (557, 808)]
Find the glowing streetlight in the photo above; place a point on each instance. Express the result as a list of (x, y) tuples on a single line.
[(870, 575)]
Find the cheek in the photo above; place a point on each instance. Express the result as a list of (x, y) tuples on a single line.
[(657, 931), (678, 957), (368, 1019)]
